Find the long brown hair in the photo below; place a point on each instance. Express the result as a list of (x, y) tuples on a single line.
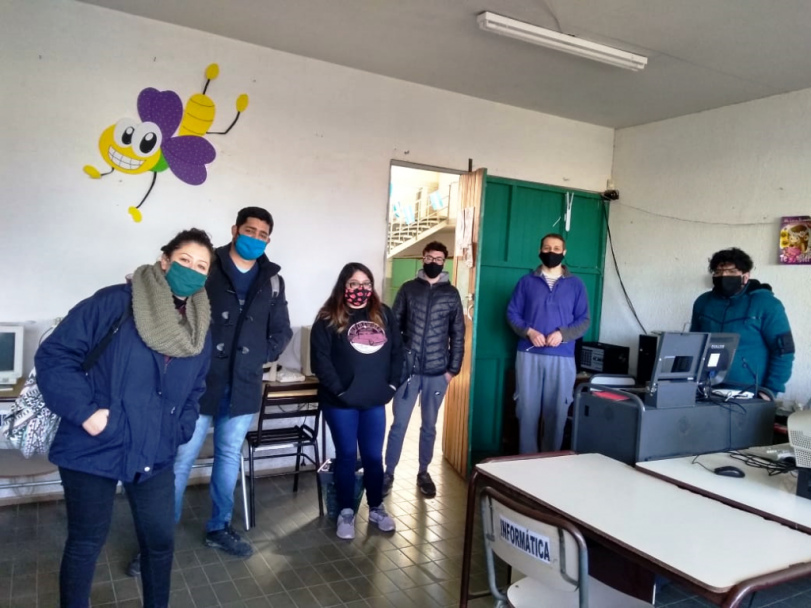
[(337, 311)]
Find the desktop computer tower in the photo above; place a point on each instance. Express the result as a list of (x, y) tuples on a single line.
[(646, 359)]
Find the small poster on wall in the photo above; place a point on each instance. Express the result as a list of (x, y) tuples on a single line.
[(795, 233)]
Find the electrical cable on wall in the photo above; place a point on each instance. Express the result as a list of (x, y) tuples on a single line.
[(617, 269), (681, 219)]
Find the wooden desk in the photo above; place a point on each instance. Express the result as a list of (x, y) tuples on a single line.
[(773, 497), (721, 553)]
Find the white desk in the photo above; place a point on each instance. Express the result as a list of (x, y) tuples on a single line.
[(675, 532), (773, 497)]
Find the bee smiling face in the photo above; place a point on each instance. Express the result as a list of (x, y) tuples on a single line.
[(131, 147)]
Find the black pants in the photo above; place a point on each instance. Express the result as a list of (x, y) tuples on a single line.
[(89, 500)]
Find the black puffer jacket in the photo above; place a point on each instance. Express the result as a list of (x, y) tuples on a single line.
[(432, 322)]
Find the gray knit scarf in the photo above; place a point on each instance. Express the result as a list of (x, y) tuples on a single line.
[(159, 324)]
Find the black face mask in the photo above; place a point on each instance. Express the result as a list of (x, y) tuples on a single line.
[(727, 286), (432, 270), (551, 259)]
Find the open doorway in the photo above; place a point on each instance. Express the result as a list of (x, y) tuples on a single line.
[(423, 207)]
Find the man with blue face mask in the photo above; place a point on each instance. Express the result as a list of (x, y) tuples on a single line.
[(249, 327)]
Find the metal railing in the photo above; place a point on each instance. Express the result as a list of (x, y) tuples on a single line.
[(404, 227)]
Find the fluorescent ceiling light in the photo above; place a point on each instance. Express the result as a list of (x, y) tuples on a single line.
[(560, 42)]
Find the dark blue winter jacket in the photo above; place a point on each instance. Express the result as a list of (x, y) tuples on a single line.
[(766, 345), (153, 401)]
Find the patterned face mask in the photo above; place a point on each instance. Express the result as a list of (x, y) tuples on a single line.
[(358, 296)]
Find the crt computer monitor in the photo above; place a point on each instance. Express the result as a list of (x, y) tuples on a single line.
[(11, 353), (718, 357)]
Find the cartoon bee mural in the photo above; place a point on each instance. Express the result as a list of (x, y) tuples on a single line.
[(168, 136)]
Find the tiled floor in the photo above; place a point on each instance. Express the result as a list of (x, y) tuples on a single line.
[(299, 563)]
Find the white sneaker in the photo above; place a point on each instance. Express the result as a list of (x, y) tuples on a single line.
[(379, 517), (346, 524)]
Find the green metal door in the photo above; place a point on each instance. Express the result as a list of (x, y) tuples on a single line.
[(515, 216)]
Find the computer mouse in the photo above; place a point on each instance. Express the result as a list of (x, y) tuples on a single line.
[(729, 472)]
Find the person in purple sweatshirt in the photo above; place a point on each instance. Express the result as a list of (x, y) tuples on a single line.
[(549, 310)]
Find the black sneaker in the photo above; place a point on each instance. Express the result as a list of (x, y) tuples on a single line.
[(229, 541), (388, 482), (134, 569), (426, 484)]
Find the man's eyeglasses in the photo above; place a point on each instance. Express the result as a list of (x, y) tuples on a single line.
[(726, 272), (433, 260), (367, 285)]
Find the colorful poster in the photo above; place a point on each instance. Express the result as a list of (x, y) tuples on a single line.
[(795, 233)]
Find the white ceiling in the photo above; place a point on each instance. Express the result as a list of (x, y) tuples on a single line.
[(703, 54)]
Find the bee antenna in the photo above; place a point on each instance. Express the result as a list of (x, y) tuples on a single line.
[(205, 88)]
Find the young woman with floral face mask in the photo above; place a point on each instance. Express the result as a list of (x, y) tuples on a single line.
[(357, 355), (124, 419)]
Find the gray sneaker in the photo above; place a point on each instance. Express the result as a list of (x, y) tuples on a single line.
[(388, 482), (346, 524), (379, 517)]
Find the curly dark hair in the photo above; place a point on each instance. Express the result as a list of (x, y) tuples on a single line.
[(192, 235), (737, 257)]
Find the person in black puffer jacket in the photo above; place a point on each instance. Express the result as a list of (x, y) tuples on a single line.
[(428, 311)]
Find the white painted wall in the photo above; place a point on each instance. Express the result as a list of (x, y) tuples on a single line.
[(740, 164), (314, 147)]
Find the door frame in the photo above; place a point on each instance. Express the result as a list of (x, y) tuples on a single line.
[(595, 314)]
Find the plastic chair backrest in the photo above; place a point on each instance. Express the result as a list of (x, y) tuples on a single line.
[(543, 547)]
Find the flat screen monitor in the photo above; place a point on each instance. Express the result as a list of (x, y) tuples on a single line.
[(11, 353), (680, 356), (718, 357)]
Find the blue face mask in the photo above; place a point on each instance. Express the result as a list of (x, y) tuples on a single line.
[(249, 248), (183, 281)]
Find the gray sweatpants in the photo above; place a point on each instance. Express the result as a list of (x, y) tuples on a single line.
[(544, 386), (431, 391)]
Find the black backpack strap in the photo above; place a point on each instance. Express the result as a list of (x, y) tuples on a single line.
[(95, 354)]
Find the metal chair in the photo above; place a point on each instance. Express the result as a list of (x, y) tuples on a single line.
[(550, 551), (297, 437)]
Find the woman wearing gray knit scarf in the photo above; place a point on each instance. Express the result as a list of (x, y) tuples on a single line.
[(125, 370)]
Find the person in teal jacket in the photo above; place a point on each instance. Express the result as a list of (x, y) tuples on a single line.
[(741, 305)]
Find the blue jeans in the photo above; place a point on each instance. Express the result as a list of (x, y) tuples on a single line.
[(89, 501), (354, 430), (229, 434)]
